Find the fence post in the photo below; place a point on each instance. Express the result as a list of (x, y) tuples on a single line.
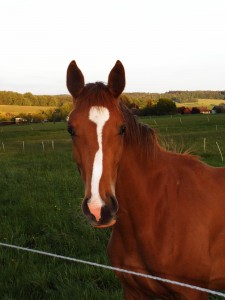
[(204, 145), (220, 151)]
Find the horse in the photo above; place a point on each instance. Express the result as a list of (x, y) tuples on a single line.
[(166, 209)]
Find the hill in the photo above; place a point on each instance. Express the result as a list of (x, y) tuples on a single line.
[(140, 99), (176, 96), (28, 99)]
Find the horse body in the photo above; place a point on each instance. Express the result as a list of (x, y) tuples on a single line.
[(179, 236), (167, 210)]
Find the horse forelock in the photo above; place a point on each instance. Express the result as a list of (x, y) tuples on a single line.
[(94, 94)]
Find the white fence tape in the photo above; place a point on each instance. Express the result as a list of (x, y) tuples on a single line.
[(115, 269)]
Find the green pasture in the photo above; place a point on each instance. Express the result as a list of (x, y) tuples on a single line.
[(197, 134), (40, 198)]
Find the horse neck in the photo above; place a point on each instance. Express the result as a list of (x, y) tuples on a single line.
[(136, 177), (137, 168)]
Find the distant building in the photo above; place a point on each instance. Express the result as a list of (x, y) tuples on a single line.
[(218, 109), (204, 110), (20, 120)]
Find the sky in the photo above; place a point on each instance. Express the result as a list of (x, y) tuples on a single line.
[(163, 44)]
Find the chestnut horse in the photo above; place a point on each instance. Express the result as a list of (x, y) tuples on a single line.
[(167, 210)]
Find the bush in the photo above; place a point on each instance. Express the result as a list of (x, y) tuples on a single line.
[(195, 110), (165, 107)]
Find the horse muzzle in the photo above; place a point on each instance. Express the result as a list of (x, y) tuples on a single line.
[(101, 214)]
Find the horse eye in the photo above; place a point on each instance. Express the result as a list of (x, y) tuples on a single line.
[(122, 130), (71, 130)]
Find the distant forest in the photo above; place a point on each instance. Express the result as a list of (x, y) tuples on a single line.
[(143, 99), (12, 98), (138, 99)]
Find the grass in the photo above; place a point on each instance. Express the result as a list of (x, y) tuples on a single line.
[(187, 133), (209, 103), (40, 198), (18, 109)]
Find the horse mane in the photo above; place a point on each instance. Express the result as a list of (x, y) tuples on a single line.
[(137, 134)]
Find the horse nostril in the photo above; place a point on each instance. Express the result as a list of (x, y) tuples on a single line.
[(114, 204), (100, 214), (85, 207)]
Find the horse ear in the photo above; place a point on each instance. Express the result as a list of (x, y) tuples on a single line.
[(116, 80), (75, 79)]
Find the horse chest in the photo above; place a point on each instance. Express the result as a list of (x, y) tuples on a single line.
[(126, 255), (125, 250)]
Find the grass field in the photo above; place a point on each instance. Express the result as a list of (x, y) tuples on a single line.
[(40, 198), (209, 103), (18, 109)]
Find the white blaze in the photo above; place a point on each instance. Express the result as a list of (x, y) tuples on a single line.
[(98, 115)]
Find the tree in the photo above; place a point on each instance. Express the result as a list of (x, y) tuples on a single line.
[(195, 110), (148, 110), (180, 110), (165, 107), (65, 109)]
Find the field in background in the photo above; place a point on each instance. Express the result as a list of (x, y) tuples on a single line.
[(190, 133), (17, 109), (40, 199), (209, 103)]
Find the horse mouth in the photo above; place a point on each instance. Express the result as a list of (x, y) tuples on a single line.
[(104, 225)]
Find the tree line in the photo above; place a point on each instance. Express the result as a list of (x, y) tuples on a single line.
[(142, 104), (139, 99), (28, 99)]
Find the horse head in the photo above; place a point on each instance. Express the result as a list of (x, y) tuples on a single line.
[(97, 127)]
